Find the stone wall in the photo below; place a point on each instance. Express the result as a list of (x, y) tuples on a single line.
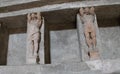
[(110, 38), (17, 49), (64, 46)]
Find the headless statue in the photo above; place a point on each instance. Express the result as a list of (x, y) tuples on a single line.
[(34, 24), (88, 17)]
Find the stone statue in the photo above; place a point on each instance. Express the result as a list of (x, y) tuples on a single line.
[(88, 17), (34, 24)]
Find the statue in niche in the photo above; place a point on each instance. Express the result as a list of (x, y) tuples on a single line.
[(88, 18), (34, 24)]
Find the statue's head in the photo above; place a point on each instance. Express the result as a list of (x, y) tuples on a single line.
[(33, 15), (84, 11)]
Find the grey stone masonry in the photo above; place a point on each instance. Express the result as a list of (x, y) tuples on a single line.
[(91, 67), (61, 6)]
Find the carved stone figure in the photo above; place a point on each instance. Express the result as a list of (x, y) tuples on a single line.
[(34, 24), (87, 17)]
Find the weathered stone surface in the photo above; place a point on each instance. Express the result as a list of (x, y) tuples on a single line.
[(110, 42), (64, 46), (60, 43), (107, 66), (17, 49), (4, 3), (61, 6)]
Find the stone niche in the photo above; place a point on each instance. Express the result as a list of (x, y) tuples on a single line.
[(64, 46), (110, 38), (17, 49), (109, 27), (60, 36)]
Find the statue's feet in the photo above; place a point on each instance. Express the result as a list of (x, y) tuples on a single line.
[(31, 60), (93, 55), (38, 60)]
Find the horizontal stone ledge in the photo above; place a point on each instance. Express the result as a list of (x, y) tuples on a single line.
[(54, 7), (10, 3), (105, 66)]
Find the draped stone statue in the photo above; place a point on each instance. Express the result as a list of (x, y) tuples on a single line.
[(34, 24), (88, 18)]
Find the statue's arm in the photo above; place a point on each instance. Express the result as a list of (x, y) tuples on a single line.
[(39, 19), (92, 10), (81, 11), (28, 17)]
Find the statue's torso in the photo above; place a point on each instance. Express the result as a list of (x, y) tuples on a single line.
[(33, 27), (88, 19), (88, 22)]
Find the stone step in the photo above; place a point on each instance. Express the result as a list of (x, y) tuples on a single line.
[(91, 67)]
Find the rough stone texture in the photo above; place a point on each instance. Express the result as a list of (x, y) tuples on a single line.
[(44, 69), (61, 6), (65, 42), (110, 38), (62, 41), (61, 16), (17, 49), (4, 3), (64, 46), (108, 66)]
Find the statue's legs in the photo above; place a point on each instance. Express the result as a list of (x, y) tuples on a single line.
[(36, 46), (30, 47), (31, 59), (93, 54), (88, 40), (36, 43), (87, 35), (93, 35)]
